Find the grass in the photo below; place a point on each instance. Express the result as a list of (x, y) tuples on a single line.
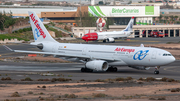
[(99, 95), (30, 92), (27, 79), (60, 79), (18, 36), (57, 33), (150, 79), (99, 80), (119, 79), (8, 78), (43, 80), (15, 94), (169, 42), (69, 96), (116, 79), (41, 93)]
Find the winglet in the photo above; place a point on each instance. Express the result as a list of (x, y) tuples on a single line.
[(7, 48)]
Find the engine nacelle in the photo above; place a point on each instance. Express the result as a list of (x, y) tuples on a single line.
[(98, 65), (140, 67), (110, 39)]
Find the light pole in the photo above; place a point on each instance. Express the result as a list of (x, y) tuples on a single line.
[(80, 13)]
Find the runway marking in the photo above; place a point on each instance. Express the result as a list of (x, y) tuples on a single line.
[(167, 69), (137, 41)]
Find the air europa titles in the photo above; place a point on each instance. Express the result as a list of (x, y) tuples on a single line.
[(37, 26), (124, 50)]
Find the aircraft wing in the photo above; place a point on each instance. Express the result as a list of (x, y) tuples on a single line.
[(60, 54)]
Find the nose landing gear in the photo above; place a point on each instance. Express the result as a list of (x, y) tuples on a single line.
[(156, 70)]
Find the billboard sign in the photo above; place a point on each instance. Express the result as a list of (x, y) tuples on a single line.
[(149, 10), (123, 11)]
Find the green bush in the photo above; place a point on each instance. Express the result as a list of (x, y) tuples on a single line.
[(57, 33), (24, 29), (150, 79), (70, 96), (119, 79), (30, 92), (27, 79), (99, 95), (21, 30)]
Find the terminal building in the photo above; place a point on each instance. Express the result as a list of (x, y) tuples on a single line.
[(120, 14)]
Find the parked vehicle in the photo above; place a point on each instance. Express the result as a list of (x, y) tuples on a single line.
[(157, 34), (154, 34)]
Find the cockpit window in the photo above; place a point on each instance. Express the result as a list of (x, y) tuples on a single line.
[(86, 35), (167, 54)]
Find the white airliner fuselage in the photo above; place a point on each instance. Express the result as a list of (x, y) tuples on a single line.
[(120, 55), (114, 34)]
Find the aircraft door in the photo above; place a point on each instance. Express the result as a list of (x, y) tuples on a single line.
[(53, 49), (116, 56), (154, 55), (84, 51)]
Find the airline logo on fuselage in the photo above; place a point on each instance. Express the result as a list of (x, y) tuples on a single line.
[(37, 26), (124, 50), (140, 55)]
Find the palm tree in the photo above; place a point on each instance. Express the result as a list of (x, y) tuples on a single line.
[(176, 17), (2, 19)]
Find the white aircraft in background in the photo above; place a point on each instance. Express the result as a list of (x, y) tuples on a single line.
[(110, 36), (97, 57)]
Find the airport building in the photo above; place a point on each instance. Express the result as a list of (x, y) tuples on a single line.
[(120, 14)]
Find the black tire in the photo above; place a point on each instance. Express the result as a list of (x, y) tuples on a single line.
[(156, 72), (107, 40), (82, 69), (104, 41), (115, 69), (91, 71)]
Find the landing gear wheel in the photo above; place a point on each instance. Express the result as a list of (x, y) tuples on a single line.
[(104, 41), (112, 69), (115, 69), (82, 69), (86, 70), (156, 72)]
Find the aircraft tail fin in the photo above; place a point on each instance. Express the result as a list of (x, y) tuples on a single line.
[(130, 25), (40, 33)]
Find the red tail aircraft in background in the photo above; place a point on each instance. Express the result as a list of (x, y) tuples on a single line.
[(110, 36)]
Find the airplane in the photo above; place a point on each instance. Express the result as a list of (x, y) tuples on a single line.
[(96, 57), (110, 36)]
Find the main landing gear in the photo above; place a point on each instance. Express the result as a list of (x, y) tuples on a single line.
[(156, 70), (112, 69), (86, 70)]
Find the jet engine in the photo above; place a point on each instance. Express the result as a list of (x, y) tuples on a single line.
[(140, 67), (110, 40), (98, 65)]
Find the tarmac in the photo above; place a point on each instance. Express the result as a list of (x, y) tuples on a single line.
[(17, 70)]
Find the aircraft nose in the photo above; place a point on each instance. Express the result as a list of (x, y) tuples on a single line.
[(83, 38), (170, 59)]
